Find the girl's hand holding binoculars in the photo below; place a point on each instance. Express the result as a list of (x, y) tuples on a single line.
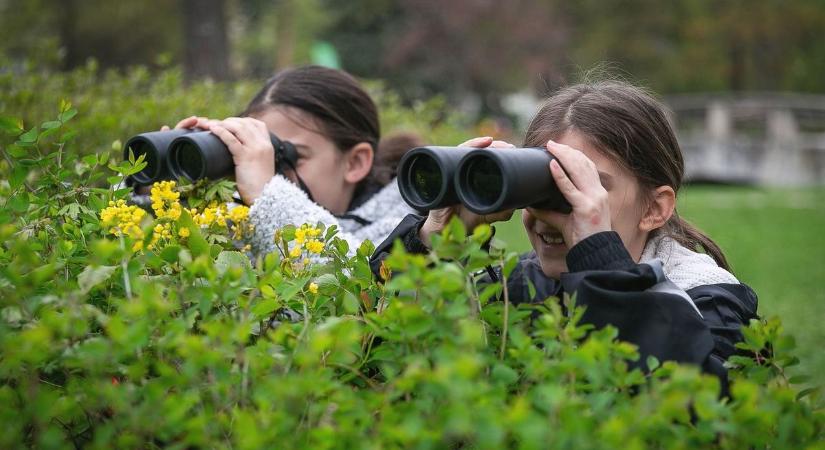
[(579, 182), (249, 142), (437, 219)]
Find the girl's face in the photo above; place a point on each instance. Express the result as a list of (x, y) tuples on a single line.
[(626, 210), (321, 165)]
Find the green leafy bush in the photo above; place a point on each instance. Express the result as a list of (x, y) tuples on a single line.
[(116, 105), (192, 344)]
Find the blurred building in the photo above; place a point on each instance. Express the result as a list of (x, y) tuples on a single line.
[(769, 139), (766, 139)]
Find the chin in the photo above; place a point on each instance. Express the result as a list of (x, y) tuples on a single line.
[(552, 258), (553, 269)]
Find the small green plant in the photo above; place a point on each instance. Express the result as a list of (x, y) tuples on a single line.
[(190, 343)]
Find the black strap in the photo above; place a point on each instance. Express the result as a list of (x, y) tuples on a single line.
[(362, 221)]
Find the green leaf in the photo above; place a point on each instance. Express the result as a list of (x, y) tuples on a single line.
[(94, 275), (350, 303), (195, 241), (66, 116), (327, 284), (170, 253), (264, 307), (29, 137), (11, 125), (19, 203), (229, 259), (510, 264), (50, 124)]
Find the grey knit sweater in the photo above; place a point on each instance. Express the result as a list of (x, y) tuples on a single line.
[(282, 203)]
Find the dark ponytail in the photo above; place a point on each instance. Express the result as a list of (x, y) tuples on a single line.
[(632, 128), (693, 238)]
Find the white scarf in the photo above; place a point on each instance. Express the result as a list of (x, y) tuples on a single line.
[(684, 267)]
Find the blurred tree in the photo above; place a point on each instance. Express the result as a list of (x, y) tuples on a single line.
[(272, 34), (463, 48), (206, 50), (476, 48)]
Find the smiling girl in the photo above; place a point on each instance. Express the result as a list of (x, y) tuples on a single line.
[(623, 250)]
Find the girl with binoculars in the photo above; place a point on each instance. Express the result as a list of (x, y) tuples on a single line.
[(338, 177), (618, 247)]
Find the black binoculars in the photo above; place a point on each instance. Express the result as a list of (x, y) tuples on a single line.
[(485, 180), (192, 154)]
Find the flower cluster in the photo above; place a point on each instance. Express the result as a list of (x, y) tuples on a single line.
[(306, 237), (221, 216), (123, 220), (213, 214), (165, 200)]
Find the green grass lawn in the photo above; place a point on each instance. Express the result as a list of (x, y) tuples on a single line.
[(775, 241)]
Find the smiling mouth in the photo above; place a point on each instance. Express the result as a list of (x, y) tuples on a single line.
[(551, 238)]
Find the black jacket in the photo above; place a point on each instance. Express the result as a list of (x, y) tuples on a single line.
[(699, 326)]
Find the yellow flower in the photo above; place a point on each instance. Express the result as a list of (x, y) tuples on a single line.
[(313, 288), (239, 214), (314, 232), (295, 252), (183, 232), (300, 235), (165, 201), (121, 219), (314, 246)]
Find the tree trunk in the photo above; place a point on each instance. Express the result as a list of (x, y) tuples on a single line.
[(285, 34), (206, 50), (67, 21)]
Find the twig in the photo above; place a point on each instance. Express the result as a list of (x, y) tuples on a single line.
[(506, 314), (126, 284)]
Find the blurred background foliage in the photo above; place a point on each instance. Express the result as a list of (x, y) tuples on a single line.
[(466, 50)]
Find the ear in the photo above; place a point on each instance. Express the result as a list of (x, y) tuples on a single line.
[(659, 210), (358, 162)]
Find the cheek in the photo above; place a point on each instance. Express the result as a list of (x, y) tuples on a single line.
[(625, 214), (527, 219)]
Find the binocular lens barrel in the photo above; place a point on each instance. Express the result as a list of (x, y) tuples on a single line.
[(193, 154), (200, 155), (492, 180), (425, 176), (155, 146), (483, 180)]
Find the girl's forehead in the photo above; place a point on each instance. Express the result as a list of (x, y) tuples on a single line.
[(611, 172), (293, 125)]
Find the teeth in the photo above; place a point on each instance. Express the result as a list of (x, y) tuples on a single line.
[(551, 238)]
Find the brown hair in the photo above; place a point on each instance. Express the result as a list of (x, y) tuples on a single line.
[(631, 127)]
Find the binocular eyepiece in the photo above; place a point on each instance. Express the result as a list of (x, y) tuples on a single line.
[(192, 154), (485, 180)]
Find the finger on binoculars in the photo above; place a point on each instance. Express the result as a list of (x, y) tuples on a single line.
[(164, 128), (479, 142), (238, 128), (577, 167), (501, 144), (226, 136), (188, 122), (563, 182), (195, 122)]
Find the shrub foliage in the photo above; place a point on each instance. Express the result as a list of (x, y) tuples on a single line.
[(117, 333)]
